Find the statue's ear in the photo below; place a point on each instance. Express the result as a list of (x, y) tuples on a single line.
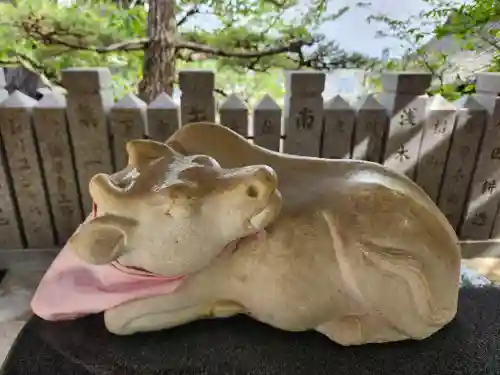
[(101, 240), (178, 147), (143, 151)]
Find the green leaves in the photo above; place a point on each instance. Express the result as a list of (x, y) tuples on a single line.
[(26, 28), (45, 38), (475, 26), (475, 23)]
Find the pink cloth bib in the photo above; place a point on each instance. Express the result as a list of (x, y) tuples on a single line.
[(72, 288)]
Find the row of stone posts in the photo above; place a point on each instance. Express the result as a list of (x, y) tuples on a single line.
[(51, 148)]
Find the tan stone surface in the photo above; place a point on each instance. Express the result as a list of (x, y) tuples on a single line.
[(50, 124), (481, 208), (489, 267), (437, 131), (164, 117), (234, 114), (351, 248), (197, 100), (370, 134), (89, 99), (16, 291), (483, 257), (128, 120), (469, 126), (304, 112), (267, 124), (339, 119), (8, 333), (22, 157)]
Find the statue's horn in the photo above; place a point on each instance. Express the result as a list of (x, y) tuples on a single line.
[(142, 151)]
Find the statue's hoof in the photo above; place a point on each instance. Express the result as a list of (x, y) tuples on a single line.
[(224, 309)]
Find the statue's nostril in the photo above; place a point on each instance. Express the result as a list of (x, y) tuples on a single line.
[(252, 191)]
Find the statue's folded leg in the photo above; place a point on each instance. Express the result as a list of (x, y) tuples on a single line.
[(155, 313), (395, 284), (359, 330), (344, 330), (404, 296), (150, 314)]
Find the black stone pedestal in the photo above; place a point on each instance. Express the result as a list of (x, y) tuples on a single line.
[(470, 345)]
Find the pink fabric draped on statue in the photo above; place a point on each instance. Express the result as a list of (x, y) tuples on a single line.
[(72, 288)]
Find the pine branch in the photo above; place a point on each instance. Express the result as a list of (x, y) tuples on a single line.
[(69, 39), (191, 12), (292, 46), (140, 44)]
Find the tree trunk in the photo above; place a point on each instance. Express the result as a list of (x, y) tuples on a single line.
[(159, 59)]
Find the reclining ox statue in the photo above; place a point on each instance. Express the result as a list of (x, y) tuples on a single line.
[(348, 248)]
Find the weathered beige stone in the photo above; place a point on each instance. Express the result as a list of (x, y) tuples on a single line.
[(406, 82), (372, 125), (10, 236), (50, 124), (437, 130), (163, 117), (482, 204), (234, 114), (349, 248), (22, 158), (197, 100), (405, 100), (128, 120), (86, 80), (339, 118), (89, 99), (488, 83), (304, 112), (267, 123), (470, 122)]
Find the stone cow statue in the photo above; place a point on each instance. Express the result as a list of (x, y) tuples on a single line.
[(348, 248)]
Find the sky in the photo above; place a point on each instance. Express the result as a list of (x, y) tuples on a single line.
[(353, 33), (351, 30)]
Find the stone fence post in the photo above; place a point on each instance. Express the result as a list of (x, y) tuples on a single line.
[(21, 149), (89, 99), (50, 123), (471, 118), (304, 112), (128, 121), (10, 236), (163, 118), (480, 214), (370, 134), (267, 123), (234, 115), (339, 120), (405, 98), (437, 130), (197, 100)]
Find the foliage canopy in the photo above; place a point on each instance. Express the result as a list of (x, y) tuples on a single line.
[(247, 41), (473, 26)]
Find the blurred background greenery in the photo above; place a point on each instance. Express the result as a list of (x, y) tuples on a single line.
[(247, 42)]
